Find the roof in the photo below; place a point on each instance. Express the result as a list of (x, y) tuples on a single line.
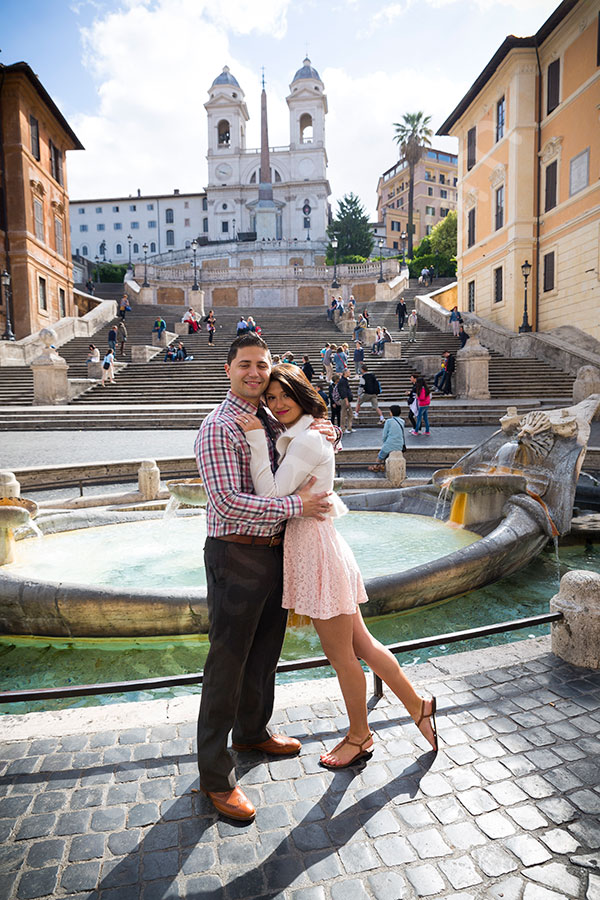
[(225, 78), (510, 43), (24, 69), (135, 197), (307, 71)]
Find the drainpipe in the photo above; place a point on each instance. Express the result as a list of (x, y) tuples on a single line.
[(536, 296), (4, 196)]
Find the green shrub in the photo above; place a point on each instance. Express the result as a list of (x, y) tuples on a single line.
[(445, 266)]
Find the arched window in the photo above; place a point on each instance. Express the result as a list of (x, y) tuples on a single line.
[(118, 250), (253, 178), (84, 250), (152, 246), (277, 175), (306, 128), (170, 238), (223, 131), (187, 245), (169, 216), (205, 225), (136, 248)]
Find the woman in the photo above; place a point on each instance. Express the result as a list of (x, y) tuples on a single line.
[(378, 341), (93, 354), (455, 320), (321, 577), (108, 370), (210, 327), (424, 399)]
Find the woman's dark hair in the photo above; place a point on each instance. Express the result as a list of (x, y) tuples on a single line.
[(295, 383), (395, 410), (420, 385)]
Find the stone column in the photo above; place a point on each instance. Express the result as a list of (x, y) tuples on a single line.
[(9, 486), (586, 383), (94, 370), (146, 296), (576, 638), (472, 370), (149, 479), (395, 468), (50, 381)]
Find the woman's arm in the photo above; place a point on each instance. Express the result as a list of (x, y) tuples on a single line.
[(303, 455)]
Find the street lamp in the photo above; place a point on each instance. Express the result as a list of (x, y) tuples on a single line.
[(234, 229), (97, 260), (194, 251), (129, 240), (526, 270), (334, 245), (8, 332), (145, 249), (381, 279), (403, 238)]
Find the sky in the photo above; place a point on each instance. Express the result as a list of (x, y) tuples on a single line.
[(131, 77)]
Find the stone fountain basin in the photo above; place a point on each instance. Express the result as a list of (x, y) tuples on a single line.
[(72, 610), (189, 491)]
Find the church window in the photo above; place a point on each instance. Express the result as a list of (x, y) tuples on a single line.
[(84, 250), (136, 248), (306, 129), (204, 203), (253, 178), (169, 219), (224, 206), (170, 238), (205, 225), (223, 132), (307, 221), (277, 175), (152, 247), (118, 250), (225, 227)]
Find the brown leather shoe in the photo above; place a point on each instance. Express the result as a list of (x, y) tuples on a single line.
[(276, 745), (234, 804)]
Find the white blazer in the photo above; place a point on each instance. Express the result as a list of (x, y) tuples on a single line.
[(302, 452)]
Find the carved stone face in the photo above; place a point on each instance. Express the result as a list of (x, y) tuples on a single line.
[(536, 434)]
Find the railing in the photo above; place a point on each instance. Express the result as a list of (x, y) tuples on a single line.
[(168, 681), (278, 273)]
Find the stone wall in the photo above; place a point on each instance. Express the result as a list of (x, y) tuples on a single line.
[(311, 295), (170, 295), (225, 296)]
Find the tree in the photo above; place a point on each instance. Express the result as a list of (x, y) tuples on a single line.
[(443, 236), (413, 135), (352, 229)]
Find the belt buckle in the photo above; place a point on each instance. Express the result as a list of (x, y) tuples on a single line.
[(273, 540)]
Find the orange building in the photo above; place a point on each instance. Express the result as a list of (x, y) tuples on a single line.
[(529, 168), (34, 206)]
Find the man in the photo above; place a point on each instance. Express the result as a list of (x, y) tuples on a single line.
[(424, 275), (244, 571), (393, 438), (412, 326), (359, 357), (438, 378), (122, 335), (401, 312), (328, 362), (345, 395), (450, 367), (369, 390), (307, 368), (463, 336), (242, 327), (112, 338)]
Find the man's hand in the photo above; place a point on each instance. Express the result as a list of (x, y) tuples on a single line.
[(327, 429), (314, 506)]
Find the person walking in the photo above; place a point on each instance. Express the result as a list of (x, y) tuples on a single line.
[(359, 358), (424, 400), (463, 336), (328, 362), (340, 360), (412, 326), (112, 337), (124, 307), (122, 335), (401, 312), (307, 369), (321, 578), (413, 403), (450, 368), (455, 320), (369, 390), (335, 401), (108, 367), (244, 571), (393, 438), (345, 394)]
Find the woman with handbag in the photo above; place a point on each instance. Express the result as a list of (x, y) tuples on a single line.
[(424, 399), (108, 367)]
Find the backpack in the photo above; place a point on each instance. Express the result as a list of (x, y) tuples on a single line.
[(335, 396), (372, 386)]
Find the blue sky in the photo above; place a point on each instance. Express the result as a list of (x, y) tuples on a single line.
[(132, 76)]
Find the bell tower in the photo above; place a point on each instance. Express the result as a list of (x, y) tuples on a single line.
[(227, 117), (308, 107)]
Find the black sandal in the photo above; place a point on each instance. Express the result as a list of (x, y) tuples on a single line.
[(431, 716)]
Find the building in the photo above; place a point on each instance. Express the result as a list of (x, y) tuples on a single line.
[(35, 246), (529, 160), (109, 227), (435, 194)]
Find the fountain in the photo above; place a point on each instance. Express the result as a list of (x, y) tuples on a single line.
[(15, 512), (505, 499)]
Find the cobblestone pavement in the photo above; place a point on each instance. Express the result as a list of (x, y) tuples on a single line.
[(508, 809)]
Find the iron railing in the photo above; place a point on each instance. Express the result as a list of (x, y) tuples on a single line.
[(317, 662)]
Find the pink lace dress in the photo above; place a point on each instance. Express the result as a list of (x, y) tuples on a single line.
[(321, 578)]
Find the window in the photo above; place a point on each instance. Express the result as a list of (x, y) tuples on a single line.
[(430, 210), (443, 194), (42, 296), (150, 207), (553, 85), (118, 249), (170, 238), (395, 245), (396, 226), (38, 215), (62, 305), (454, 181), (429, 176), (169, 219), (471, 147), (136, 248), (84, 250), (34, 129), (224, 227), (307, 221), (306, 128), (500, 116), (132, 207), (205, 225), (551, 184), (223, 133), (58, 236), (100, 226), (428, 229), (498, 297), (118, 226), (579, 172), (83, 228), (444, 212), (152, 247), (471, 296), (499, 208), (549, 271), (151, 223), (471, 228), (186, 223), (56, 163), (430, 192), (442, 178), (99, 209), (186, 204), (115, 209), (81, 210), (204, 203), (134, 225)]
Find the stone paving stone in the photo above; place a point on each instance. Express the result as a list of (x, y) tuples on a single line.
[(311, 893), (556, 877), (45, 852), (429, 843), (494, 861), (349, 890), (395, 851), (587, 831), (536, 786), (434, 786), (510, 888), (415, 815), (464, 779), (358, 857), (593, 891), (72, 742), (38, 883), (321, 867), (559, 841), (446, 810), (526, 848), (506, 793), (80, 877), (464, 835), (557, 809), (587, 801), (527, 817), (462, 754), (35, 826), (492, 770), (426, 880), (87, 846), (495, 825), (387, 886), (477, 801), (588, 771), (122, 842), (460, 872)]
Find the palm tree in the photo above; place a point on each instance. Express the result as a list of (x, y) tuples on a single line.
[(413, 134)]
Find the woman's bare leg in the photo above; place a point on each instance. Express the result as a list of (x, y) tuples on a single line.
[(383, 663), (336, 636)]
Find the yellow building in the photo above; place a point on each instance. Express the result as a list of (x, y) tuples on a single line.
[(434, 196), (529, 164), (35, 244)]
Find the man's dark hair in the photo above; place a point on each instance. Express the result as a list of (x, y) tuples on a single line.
[(364, 367), (395, 410), (251, 339)]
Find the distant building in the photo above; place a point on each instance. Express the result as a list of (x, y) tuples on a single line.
[(34, 208), (435, 194), (529, 160)]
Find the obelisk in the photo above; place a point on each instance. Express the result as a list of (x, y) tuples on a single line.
[(266, 211)]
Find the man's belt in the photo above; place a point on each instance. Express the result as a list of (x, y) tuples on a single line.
[(254, 539)]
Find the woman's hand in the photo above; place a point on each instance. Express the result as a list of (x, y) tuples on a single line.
[(248, 422)]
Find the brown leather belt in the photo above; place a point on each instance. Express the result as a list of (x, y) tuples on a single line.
[(254, 539)]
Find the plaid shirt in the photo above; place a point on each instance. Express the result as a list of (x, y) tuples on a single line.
[(223, 458)]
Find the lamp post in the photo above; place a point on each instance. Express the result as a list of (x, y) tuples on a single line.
[(334, 245), (129, 240), (526, 270), (103, 250), (381, 279), (8, 332), (403, 238), (194, 251), (234, 229), (145, 249), (97, 260)]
